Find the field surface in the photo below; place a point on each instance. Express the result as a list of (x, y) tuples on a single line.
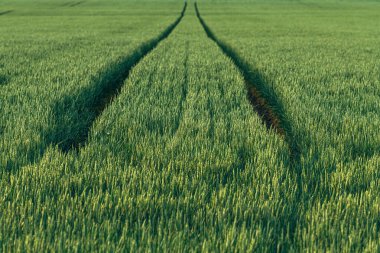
[(211, 126)]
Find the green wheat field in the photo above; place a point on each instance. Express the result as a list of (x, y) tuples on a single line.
[(171, 126)]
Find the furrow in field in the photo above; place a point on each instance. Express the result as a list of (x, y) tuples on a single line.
[(259, 93), (76, 3), (72, 4), (271, 111), (110, 84), (5, 12), (185, 89)]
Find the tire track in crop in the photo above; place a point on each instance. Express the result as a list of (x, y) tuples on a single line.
[(72, 4), (107, 87), (76, 4), (260, 95), (185, 89), (268, 107), (5, 12)]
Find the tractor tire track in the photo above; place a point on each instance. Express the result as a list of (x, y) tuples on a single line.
[(185, 88), (76, 3), (271, 112), (107, 87), (260, 95), (5, 12), (72, 4)]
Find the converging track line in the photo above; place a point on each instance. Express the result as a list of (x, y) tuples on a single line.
[(5, 12), (260, 95), (270, 110), (110, 85)]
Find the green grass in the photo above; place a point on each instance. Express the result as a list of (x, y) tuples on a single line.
[(52, 67), (323, 66), (179, 159)]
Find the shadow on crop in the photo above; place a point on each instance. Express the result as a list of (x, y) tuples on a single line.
[(3, 80), (272, 113), (260, 94), (74, 116), (5, 12), (72, 4)]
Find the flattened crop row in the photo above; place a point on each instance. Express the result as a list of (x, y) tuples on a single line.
[(261, 96), (109, 85)]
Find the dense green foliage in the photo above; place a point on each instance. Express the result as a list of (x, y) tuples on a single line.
[(324, 68), (179, 160), (53, 62)]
